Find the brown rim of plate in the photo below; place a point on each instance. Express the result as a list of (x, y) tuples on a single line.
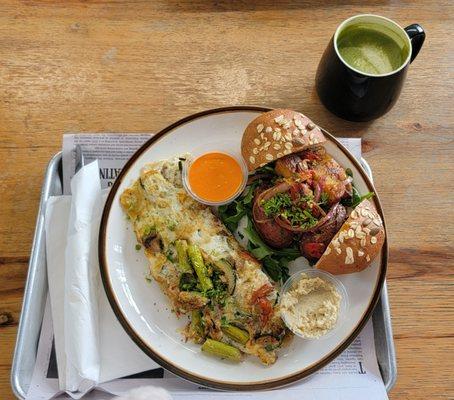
[(216, 384)]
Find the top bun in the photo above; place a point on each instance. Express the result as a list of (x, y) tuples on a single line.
[(276, 134), (357, 243)]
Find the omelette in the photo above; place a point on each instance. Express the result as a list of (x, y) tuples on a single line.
[(231, 303)]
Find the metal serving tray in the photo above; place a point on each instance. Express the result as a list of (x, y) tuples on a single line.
[(36, 292)]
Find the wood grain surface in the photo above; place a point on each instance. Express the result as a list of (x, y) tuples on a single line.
[(140, 65)]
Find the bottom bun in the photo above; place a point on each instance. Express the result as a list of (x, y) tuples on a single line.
[(357, 243)]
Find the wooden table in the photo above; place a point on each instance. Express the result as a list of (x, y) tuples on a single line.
[(138, 66)]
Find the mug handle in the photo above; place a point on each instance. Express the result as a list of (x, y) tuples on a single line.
[(417, 36)]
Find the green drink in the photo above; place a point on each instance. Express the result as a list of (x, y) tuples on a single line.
[(372, 49)]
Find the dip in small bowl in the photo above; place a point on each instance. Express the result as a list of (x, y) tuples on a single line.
[(313, 303), (214, 173)]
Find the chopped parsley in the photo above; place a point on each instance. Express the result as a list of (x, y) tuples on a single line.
[(281, 205), (298, 217), (218, 293), (138, 246), (276, 204)]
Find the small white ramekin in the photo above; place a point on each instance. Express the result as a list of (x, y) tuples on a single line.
[(313, 273), (209, 149)]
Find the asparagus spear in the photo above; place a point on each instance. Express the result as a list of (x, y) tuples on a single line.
[(199, 267), (182, 253), (236, 334), (221, 350), (196, 322)]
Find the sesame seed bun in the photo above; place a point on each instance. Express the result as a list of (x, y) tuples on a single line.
[(276, 134), (357, 243)]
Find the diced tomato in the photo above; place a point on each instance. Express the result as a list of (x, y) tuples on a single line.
[(259, 298), (311, 156), (265, 309), (262, 291), (314, 250)]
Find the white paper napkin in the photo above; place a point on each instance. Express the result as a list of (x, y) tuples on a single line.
[(91, 346)]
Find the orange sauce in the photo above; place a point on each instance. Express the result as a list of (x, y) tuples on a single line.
[(215, 176)]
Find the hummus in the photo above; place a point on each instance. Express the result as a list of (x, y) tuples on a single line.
[(310, 308)]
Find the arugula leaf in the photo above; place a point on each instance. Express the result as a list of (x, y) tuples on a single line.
[(266, 169), (274, 261), (356, 198), (231, 214), (249, 196), (253, 236), (260, 252), (277, 269), (366, 196), (273, 268)]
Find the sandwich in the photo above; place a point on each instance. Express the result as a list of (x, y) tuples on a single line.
[(304, 198)]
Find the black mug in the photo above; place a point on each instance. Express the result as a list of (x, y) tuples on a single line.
[(355, 95)]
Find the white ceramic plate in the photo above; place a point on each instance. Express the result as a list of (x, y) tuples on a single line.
[(144, 311)]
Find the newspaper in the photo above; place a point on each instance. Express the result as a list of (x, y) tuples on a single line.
[(353, 375), (112, 150)]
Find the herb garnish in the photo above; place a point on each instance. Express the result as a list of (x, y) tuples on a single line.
[(276, 204), (281, 205), (218, 293)]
